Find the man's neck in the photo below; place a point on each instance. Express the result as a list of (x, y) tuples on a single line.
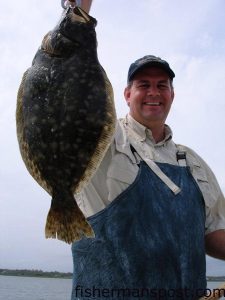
[(157, 130), (158, 133)]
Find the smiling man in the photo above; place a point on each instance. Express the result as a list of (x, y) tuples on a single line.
[(156, 207), (150, 93)]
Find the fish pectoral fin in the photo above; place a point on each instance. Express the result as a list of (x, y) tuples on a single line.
[(66, 222)]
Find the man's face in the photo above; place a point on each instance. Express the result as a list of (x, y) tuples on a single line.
[(150, 96)]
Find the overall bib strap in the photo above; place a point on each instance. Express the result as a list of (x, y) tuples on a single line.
[(152, 165), (155, 168)]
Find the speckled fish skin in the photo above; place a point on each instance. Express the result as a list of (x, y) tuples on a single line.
[(65, 119)]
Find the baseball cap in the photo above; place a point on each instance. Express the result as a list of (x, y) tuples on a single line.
[(149, 61)]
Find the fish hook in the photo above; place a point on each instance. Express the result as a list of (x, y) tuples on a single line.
[(64, 3)]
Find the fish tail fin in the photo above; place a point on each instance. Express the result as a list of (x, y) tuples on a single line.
[(65, 221)]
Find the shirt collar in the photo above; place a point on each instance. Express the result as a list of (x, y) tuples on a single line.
[(143, 133)]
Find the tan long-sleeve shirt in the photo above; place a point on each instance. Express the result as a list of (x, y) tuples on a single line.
[(119, 169)]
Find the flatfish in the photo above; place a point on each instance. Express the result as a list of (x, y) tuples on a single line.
[(65, 119)]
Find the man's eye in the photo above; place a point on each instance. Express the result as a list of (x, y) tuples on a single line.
[(144, 85), (163, 86)]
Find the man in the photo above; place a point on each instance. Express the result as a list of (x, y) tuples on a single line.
[(155, 206)]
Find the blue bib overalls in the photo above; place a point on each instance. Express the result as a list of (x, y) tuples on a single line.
[(149, 243)]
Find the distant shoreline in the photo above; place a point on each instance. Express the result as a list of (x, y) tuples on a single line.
[(35, 273), (55, 274)]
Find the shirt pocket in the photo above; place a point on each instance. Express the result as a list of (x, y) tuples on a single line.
[(122, 169), (204, 185), (121, 174)]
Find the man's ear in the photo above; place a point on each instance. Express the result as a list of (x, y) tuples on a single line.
[(172, 94), (127, 95)]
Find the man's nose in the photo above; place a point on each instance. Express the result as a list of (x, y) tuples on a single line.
[(153, 91)]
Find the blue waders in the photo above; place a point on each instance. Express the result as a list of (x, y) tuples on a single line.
[(149, 243)]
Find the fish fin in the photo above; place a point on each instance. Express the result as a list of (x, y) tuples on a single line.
[(105, 139), (66, 222)]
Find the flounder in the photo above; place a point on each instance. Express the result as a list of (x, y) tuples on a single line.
[(65, 119)]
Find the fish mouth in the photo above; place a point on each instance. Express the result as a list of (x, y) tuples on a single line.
[(79, 15)]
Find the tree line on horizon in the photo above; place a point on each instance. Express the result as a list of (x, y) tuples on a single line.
[(68, 275), (35, 273)]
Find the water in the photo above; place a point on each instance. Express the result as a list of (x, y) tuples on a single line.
[(33, 288)]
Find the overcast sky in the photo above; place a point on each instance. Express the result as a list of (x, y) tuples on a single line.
[(189, 34)]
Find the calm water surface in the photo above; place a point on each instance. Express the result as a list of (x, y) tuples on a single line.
[(33, 288)]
